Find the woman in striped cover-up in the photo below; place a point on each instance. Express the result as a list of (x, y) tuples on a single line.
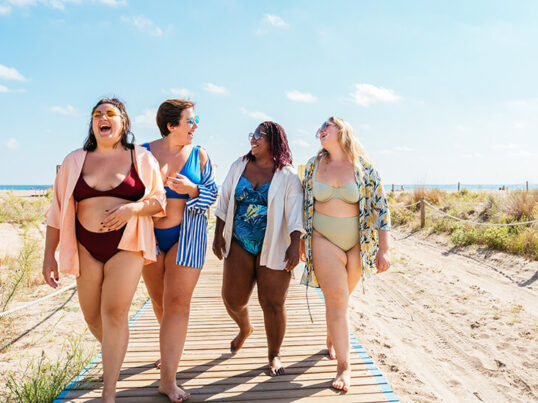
[(181, 235)]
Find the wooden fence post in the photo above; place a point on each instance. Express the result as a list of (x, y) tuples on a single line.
[(458, 186), (527, 185), (393, 187), (422, 213)]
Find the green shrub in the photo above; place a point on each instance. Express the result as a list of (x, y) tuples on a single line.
[(43, 379)]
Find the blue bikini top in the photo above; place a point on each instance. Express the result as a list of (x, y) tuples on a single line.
[(191, 170)]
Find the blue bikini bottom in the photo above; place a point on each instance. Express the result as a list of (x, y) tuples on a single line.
[(166, 237)]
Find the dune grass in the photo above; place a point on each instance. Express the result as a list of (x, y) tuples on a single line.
[(44, 378), (18, 210), (483, 207)]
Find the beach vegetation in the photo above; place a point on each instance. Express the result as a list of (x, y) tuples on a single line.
[(19, 210), (44, 378), (474, 207), (24, 270)]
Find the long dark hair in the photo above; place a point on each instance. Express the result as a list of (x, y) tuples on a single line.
[(278, 145), (127, 137)]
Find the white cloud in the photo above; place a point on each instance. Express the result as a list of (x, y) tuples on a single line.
[(275, 21), (366, 94), (298, 96), (112, 3), (301, 143), (522, 154), (10, 73), (12, 143), (147, 119), (180, 92), (472, 155), (386, 152), (257, 115), (64, 110), (504, 146), (3, 88), (520, 125), (143, 25), (365, 126), (215, 89), (5, 10), (403, 148), (303, 131)]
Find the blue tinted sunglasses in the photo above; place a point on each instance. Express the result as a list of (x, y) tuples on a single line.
[(323, 127), (256, 135), (193, 120)]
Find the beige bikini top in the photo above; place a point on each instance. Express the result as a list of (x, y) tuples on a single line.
[(323, 192)]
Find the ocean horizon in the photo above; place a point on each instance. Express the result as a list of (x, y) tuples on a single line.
[(387, 186)]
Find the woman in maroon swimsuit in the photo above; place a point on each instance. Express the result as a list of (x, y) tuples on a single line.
[(104, 197)]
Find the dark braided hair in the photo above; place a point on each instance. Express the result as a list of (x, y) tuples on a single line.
[(278, 145)]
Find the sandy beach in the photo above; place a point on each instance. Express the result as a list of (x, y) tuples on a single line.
[(443, 324)]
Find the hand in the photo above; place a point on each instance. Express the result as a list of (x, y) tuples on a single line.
[(292, 256), (382, 261), (302, 251), (219, 246), (181, 184), (51, 266), (118, 217)]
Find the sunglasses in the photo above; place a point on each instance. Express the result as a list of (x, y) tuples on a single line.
[(256, 135), (110, 113), (193, 120), (323, 127)]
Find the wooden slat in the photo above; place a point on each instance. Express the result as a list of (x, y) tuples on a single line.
[(210, 373)]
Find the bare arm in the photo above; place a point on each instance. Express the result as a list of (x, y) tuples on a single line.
[(52, 239), (219, 247)]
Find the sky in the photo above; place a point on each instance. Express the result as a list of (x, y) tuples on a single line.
[(437, 92)]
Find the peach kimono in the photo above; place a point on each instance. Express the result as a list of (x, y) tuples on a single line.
[(138, 235)]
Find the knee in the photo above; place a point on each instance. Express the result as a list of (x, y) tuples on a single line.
[(336, 298), (233, 302), (115, 315), (177, 305), (271, 305), (93, 319)]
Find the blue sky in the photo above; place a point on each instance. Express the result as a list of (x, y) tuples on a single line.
[(438, 92)]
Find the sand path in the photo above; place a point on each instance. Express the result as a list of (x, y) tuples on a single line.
[(449, 324)]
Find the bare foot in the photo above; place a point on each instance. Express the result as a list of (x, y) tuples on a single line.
[(275, 367), (332, 353), (239, 340), (174, 393), (107, 399), (341, 382), (158, 364)]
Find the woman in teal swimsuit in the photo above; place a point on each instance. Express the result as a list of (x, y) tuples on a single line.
[(190, 190), (347, 225), (259, 223)]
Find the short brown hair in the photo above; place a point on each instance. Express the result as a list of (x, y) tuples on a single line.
[(170, 112)]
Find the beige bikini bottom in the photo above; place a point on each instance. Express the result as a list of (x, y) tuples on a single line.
[(341, 231)]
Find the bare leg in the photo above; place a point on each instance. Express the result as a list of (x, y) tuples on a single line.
[(179, 283), (354, 272), (89, 291), (330, 269), (153, 275), (121, 276), (272, 291), (237, 284)]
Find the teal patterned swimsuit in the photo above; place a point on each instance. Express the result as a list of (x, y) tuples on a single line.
[(250, 218)]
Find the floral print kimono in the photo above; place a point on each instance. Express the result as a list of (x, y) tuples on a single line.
[(373, 215)]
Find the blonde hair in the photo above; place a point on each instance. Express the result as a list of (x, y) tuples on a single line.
[(351, 146)]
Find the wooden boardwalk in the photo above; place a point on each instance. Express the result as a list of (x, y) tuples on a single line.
[(209, 372)]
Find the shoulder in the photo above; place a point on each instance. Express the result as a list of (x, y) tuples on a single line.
[(203, 155), (74, 156), (144, 156)]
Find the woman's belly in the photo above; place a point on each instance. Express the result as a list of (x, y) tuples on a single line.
[(174, 214), (337, 208), (91, 212)]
